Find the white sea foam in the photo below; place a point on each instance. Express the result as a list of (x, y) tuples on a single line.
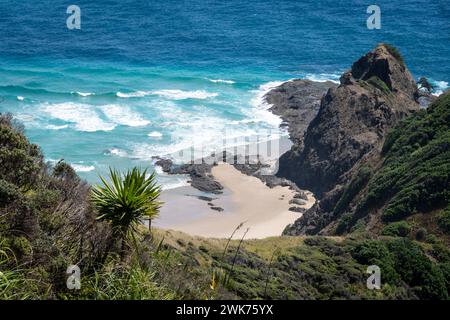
[(170, 181), (136, 94), (84, 94), (260, 111), (82, 168), (117, 152), (323, 77), (159, 170), (28, 119), (52, 161), (155, 134), (201, 130), (89, 118), (55, 127), (175, 184), (175, 94), (123, 115), (83, 117), (20, 98), (222, 81), (439, 87)]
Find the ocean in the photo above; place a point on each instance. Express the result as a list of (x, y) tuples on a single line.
[(150, 78)]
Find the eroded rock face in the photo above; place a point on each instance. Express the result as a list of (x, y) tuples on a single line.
[(387, 66), (297, 102), (353, 119), (350, 128)]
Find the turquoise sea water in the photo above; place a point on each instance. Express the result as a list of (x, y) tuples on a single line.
[(147, 78)]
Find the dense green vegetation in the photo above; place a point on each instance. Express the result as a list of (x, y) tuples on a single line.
[(353, 189), (379, 84), (444, 220), (332, 268), (404, 261), (374, 83), (417, 165), (415, 174), (397, 229)]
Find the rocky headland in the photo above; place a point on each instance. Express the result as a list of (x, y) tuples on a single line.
[(337, 152)]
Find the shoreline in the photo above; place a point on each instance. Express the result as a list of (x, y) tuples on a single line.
[(245, 199), (221, 196)]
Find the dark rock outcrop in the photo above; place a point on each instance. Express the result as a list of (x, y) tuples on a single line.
[(297, 102), (349, 130), (297, 209), (202, 179), (200, 174)]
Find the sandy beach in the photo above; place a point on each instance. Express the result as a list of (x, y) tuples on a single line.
[(263, 211)]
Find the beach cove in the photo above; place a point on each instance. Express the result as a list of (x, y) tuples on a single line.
[(246, 199)]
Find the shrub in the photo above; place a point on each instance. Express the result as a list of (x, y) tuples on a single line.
[(445, 269), (441, 252), (8, 192), (444, 220), (20, 246), (372, 252), (352, 189), (397, 229), (124, 283), (394, 51), (21, 162), (431, 238), (64, 171), (344, 223), (421, 234), (125, 201), (417, 270)]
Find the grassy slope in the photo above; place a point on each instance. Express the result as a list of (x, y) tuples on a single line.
[(319, 267)]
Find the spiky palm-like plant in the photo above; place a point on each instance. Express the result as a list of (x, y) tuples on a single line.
[(126, 200)]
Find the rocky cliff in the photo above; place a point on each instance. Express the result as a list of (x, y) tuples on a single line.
[(349, 131), (297, 102)]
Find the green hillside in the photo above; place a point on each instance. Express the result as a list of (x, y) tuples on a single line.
[(409, 193)]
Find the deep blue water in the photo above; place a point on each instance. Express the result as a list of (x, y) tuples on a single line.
[(145, 78)]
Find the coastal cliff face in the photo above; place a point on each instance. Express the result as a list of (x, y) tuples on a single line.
[(352, 120), (349, 131)]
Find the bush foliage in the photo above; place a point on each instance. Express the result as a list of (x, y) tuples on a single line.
[(415, 176)]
